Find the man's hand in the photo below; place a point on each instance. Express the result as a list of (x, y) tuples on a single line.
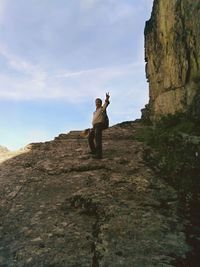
[(107, 96)]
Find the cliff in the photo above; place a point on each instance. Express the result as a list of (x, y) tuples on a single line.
[(61, 208), (172, 53)]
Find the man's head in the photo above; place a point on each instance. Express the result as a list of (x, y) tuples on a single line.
[(98, 103)]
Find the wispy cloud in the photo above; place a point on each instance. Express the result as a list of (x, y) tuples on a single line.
[(67, 53), (29, 77), (17, 63), (126, 84), (35, 82)]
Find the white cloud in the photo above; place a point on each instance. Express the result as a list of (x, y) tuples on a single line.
[(33, 82), (23, 80), (21, 65), (125, 83), (53, 50)]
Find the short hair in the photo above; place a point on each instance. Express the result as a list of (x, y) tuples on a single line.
[(99, 99)]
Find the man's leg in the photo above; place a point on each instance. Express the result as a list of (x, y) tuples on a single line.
[(98, 140), (91, 141)]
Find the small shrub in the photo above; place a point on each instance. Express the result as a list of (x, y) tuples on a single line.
[(176, 158)]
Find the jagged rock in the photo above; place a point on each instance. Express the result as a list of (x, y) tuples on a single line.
[(59, 207), (145, 113), (172, 53)]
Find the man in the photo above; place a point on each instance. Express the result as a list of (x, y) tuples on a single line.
[(99, 124)]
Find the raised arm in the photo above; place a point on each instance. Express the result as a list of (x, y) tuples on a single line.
[(107, 102), (107, 97)]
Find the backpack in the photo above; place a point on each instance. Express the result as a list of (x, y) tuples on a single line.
[(106, 120)]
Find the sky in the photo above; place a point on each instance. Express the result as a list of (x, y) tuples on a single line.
[(58, 56)]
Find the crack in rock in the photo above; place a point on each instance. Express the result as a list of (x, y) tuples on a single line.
[(95, 209)]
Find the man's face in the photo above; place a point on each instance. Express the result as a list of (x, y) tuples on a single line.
[(98, 103)]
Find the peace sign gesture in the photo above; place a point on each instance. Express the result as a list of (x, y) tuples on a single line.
[(107, 96)]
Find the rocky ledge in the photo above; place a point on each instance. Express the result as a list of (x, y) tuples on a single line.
[(61, 208)]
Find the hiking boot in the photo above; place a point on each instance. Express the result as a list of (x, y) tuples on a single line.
[(97, 157), (91, 153)]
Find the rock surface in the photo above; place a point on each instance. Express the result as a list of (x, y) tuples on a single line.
[(5, 154), (172, 53), (61, 208)]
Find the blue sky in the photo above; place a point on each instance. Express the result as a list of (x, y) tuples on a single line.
[(57, 56)]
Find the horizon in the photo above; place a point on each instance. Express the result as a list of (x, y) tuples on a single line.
[(59, 57)]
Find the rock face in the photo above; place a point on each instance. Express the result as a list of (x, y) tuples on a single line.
[(172, 53), (61, 208)]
